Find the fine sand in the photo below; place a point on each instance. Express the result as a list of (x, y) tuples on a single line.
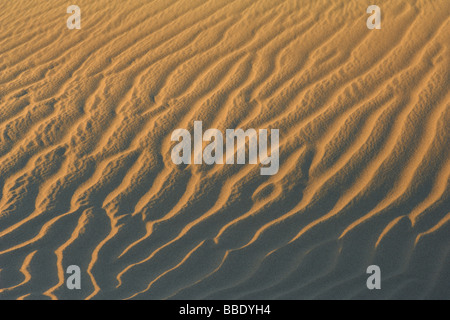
[(86, 176)]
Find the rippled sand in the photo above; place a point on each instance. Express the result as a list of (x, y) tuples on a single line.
[(86, 176)]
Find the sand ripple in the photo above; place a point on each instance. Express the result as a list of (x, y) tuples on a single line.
[(86, 176)]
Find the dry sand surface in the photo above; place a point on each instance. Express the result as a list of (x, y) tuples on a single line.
[(86, 176)]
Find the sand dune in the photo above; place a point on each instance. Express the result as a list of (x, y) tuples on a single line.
[(86, 176)]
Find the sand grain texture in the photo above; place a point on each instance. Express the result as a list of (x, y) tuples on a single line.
[(86, 176)]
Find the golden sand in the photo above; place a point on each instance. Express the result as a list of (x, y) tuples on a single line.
[(86, 176)]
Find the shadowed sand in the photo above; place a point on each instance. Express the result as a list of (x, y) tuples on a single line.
[(86, 176)]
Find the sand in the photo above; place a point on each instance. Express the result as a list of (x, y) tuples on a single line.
[(86, 176)]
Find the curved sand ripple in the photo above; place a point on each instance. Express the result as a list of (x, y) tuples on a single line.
[(86, 176)]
